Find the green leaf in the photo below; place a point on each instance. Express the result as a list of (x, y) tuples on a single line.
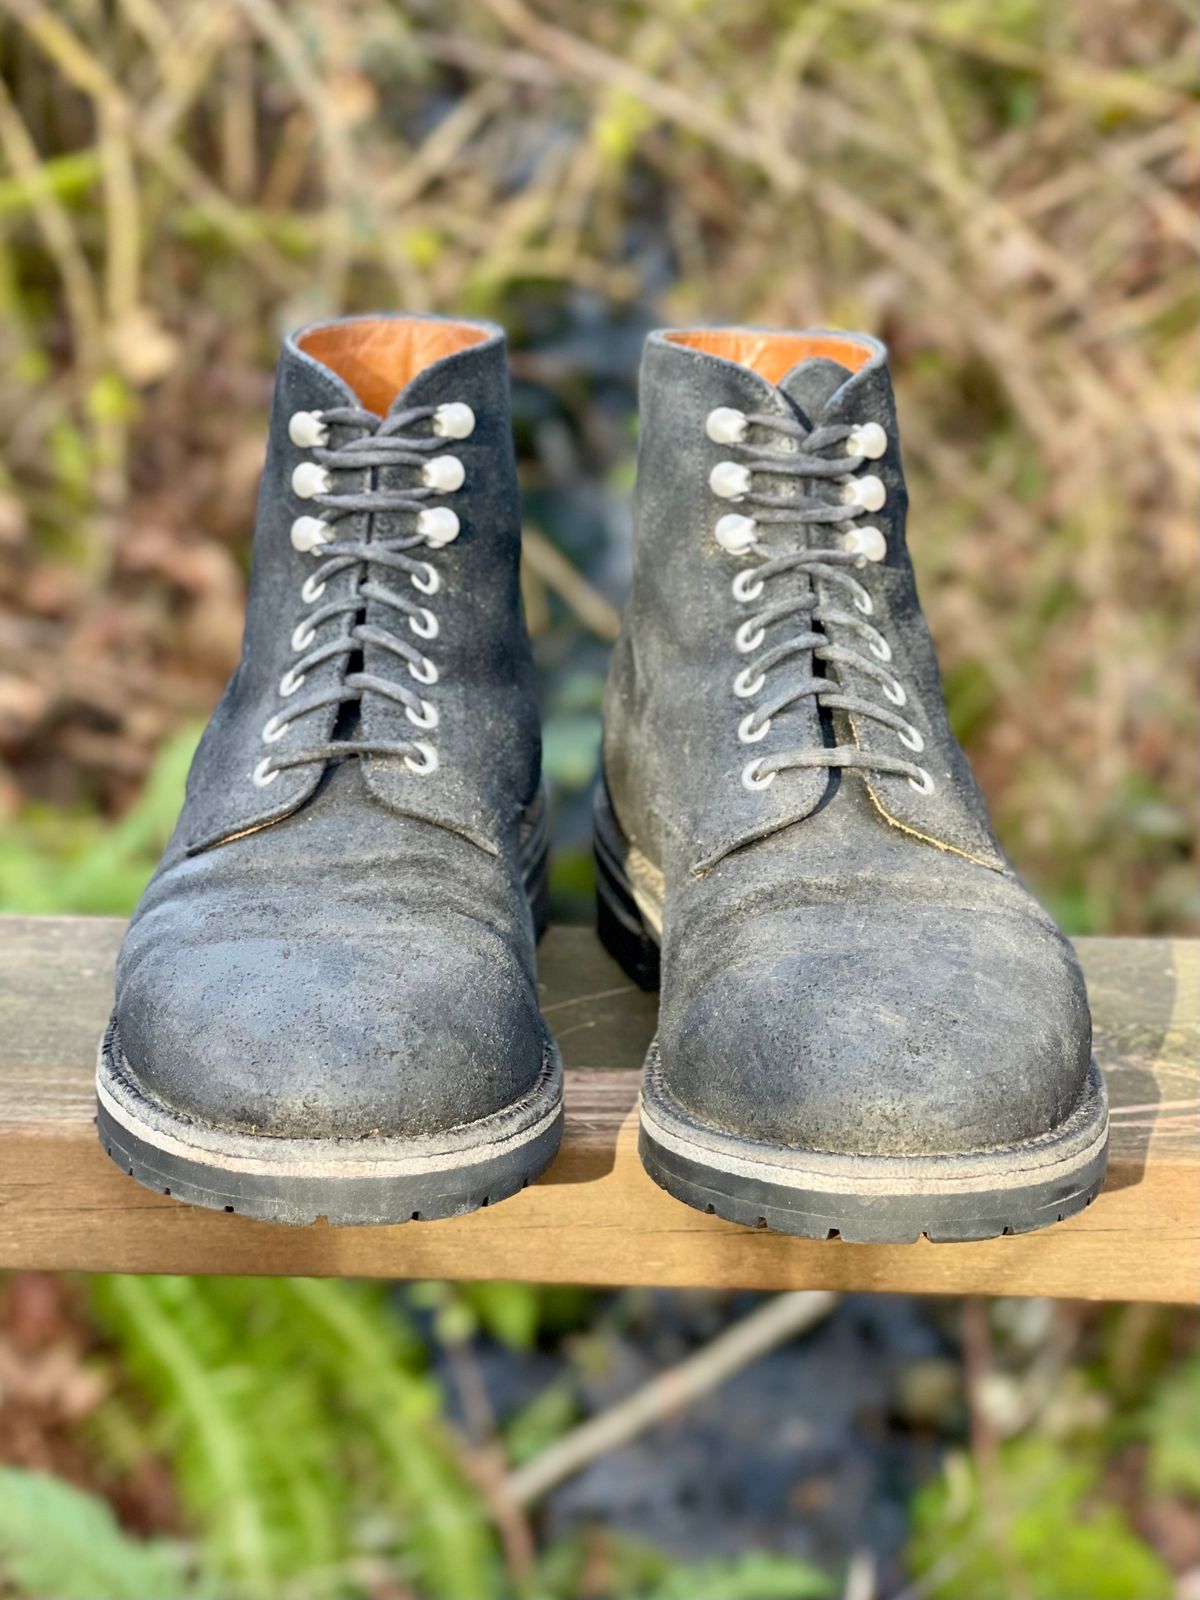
[(57, 862), (1169, 1425), (448, 1534), (1041, 1522), (508, 1311), (56, 1540), (242, 1436), (545, 1418), (749, 1577)]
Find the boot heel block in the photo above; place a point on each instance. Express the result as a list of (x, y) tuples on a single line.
[(535, 859), (537, 891), (625, 939), (621, 927)]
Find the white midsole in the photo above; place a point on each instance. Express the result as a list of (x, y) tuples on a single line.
[(910, 1175), (380, 1158)]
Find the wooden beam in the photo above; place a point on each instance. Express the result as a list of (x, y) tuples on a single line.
[(596, 1218)]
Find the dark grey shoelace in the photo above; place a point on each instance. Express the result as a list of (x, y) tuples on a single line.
[(810, 461), (373, 444)]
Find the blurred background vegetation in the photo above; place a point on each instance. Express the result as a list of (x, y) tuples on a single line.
[(1005, 191)]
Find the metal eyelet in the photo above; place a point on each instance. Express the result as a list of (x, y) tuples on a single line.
[(925, 786), (895, 692), (744, 688), (425, 624), (426, 672), (427, 717), (438, 526), (308, 534), (273, 729), (867, 440), (302, 636), (913, 740), (750, 775), (290, 682), (264, 773), (866, 544), (746, 587), (311, 591), (868, 492), (432, 582), (744, 641), (428, 762), (864, 603), (880, 648), (445, 474), (749, 734)]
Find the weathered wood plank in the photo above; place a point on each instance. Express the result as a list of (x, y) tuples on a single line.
[(596, 1218)]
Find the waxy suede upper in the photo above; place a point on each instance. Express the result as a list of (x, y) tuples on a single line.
[(848, 965), (486, 684), (348, 951), (682, 616)]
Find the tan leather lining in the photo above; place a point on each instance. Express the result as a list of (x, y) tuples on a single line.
[(773, 355), (377, 357)]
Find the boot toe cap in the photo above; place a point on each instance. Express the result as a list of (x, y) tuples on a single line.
[(917, 1035), (411, 1033)]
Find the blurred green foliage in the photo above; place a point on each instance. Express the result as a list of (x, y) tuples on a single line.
[(1170, 1423), (58, 1542), (297, 1415), (1033, 1525), (300, 1421), (999, 187), (55, 861), (1001, 190)]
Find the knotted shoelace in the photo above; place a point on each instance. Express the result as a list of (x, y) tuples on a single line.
[(375, 444), (811, 461)]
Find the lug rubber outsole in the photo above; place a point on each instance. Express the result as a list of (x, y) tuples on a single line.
[(346, 1181), (876, 1199), (823, 1195)]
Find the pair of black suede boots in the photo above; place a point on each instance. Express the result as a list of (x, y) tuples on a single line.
[(327, 1000)]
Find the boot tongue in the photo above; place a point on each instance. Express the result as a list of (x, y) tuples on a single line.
[(811, 385)]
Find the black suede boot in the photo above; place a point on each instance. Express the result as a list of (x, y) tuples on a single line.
[(327, 1002), (868, 1027)]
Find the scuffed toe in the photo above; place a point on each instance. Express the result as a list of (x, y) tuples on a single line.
[(917, 1034), (330, 1038)]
